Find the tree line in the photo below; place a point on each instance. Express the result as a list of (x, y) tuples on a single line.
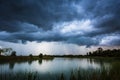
[(98, 52), (105, 53)]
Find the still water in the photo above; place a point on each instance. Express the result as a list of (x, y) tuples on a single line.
[(61, 69)]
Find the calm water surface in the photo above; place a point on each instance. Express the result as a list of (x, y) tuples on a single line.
[(53, 69)]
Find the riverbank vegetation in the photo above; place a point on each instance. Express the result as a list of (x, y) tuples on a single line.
[(105, 53), (8, 54)]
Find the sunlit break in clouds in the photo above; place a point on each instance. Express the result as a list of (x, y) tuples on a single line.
[(59, 26)]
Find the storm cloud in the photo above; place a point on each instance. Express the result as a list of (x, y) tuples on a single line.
[(82, 22)]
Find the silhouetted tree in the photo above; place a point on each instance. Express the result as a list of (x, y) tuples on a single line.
[(90, 53), (105, 53), (30, 55), (100, 50), (40, 55), (87, 54), (13, 53)]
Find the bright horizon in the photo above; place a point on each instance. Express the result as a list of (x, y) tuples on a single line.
[(51, 48)]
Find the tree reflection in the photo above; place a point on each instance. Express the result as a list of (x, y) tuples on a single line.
[(30, 62), (40, 61), (11, 65)]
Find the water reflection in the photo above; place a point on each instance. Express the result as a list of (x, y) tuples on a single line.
[(57, 65), (40, 61), (11, 65), (63, 66), (30, 62)]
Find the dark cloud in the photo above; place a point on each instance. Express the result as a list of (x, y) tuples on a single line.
[(17, 26), (45, 20), (115, 42), (83, 41), (39, 12)]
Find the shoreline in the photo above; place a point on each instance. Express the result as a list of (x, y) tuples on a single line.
[(27, 58)]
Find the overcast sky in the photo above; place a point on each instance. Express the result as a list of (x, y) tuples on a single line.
[(59, 26)]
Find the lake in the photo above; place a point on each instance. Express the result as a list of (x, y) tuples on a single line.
[(62, 69)]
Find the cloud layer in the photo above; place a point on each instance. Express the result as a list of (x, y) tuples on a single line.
[(82, 22)]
